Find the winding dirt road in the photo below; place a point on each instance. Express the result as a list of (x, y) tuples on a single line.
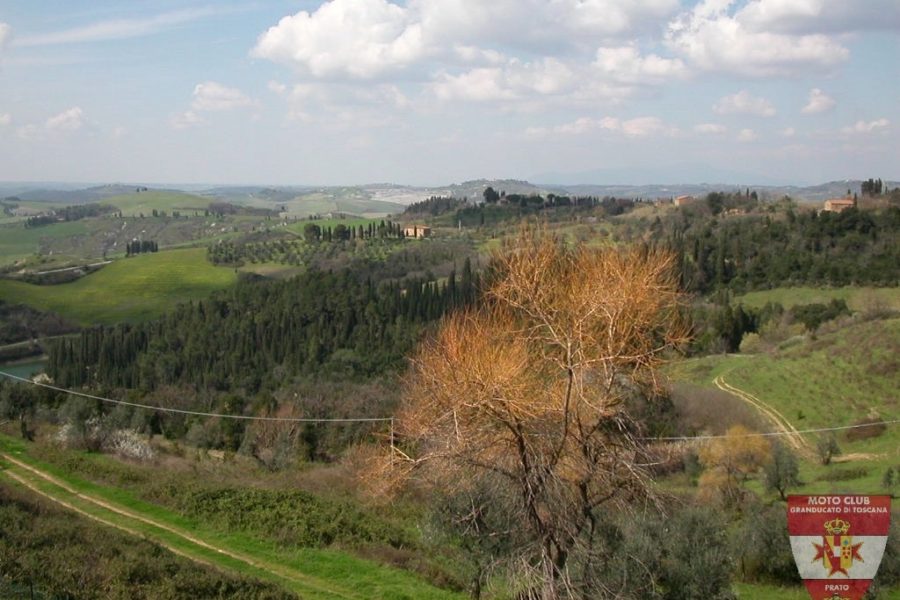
[(27, 475), (793, 437)]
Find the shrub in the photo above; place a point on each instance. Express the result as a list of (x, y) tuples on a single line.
[(848, 474), (751, 344), (872, 428), (648, 558), (290, 518), (54, 554), (827, 448), (762, 549)]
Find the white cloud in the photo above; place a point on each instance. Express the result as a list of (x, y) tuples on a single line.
[(212, 96), (116, 29), (5, 35), (711, 38), (747, 135), (744, 103), (806, 16), (635, 128), (352, 38), (71, 119), (579, 126), (5, 119), (788, 132), (365, 39), (277, 87), (710, 128), (345, 106), (626, 65), (645, 126), (68, 121), (536, 24), (818, 102), (610, 17), (515, 80), (187, 119), (867, 126), (474, 54)]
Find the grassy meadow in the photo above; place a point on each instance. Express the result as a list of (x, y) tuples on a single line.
[(857, 297), (836, 379), (18, 242), (132, 289), (146, 202)]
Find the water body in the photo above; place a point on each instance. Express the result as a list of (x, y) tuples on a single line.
[(25, 368)]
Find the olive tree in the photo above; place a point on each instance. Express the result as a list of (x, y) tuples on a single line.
[(530, 390)]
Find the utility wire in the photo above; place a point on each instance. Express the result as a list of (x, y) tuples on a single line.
[(193, 412), (768, 433), (391, 419)]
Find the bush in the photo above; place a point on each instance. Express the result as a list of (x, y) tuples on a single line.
[(681, 556), (762, 548), (751, 344), (848, 474), (827, 448), (290, 518), (59, 555), (873, 427)]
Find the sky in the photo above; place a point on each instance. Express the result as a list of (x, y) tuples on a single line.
[(429, 92)]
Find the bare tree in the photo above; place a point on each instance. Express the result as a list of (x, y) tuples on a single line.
[(530, 390)]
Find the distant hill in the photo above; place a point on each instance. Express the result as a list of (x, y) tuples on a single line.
[(386, 198), (646, 175), (77, 196), (134, 203)]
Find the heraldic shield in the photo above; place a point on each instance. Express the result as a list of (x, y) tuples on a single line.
[(838, 542)]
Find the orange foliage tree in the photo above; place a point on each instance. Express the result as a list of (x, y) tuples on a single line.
[(530, 391), (730, 461)]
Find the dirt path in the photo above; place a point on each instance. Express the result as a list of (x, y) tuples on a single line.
[(280, 571), (83, 513), (794, 438)]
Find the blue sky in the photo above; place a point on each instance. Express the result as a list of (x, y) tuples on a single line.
[(436, 91)]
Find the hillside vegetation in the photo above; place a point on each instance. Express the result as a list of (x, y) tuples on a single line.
[(841, 377), (129, 290), (857, 298), (145, 203)]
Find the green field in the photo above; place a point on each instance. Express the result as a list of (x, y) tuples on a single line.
[(836, 380), (132, 289), (312, 573), (17, 242), (145, 202), (857, 298)]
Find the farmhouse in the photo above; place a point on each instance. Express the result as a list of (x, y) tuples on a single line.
[(684, 200), (839, 204), (417, 231)]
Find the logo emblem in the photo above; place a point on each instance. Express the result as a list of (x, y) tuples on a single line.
[(838, 542), (837, 550)]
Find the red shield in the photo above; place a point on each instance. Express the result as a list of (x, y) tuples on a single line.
[(838, 542)]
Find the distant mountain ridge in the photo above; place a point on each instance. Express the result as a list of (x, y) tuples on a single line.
[(386, 197)]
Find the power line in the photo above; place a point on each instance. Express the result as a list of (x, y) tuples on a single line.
[(193, 412), (768, 433), (694, 438)]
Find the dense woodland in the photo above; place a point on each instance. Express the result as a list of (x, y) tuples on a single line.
[(70, 213), (340, 323), (553, 208), (760, 251), (140, 247)]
